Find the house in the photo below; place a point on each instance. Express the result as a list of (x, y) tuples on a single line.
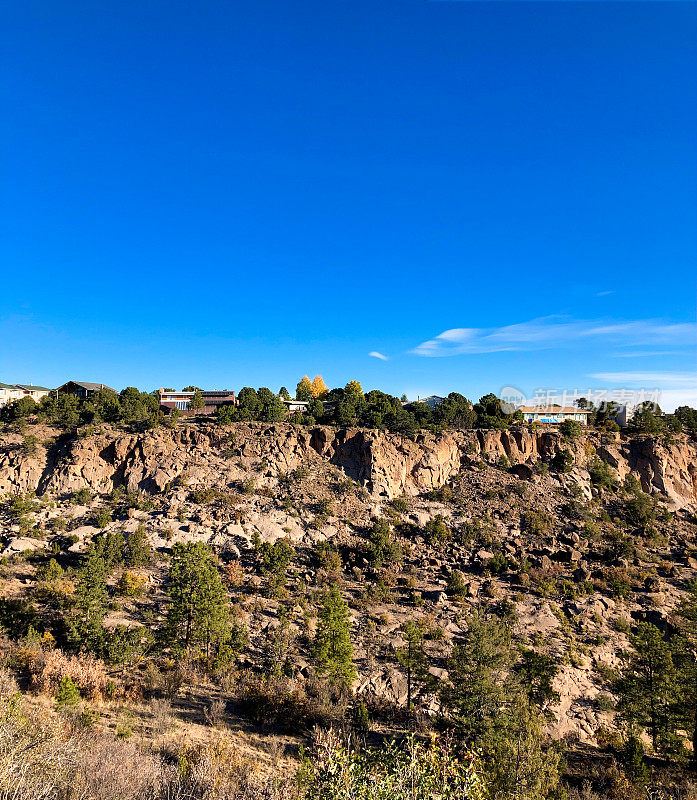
[(82, 389), (9, 392), (296, 406), (170, 399), (432, 401), (553, 414), (35, 392)]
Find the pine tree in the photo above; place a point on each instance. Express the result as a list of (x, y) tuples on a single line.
[(197, 618), (685, 655), (138, 551), (92, 599), (68, 694), (536, 671), (477, 668), (333, 651), (647, 687), (197, 402), (413, 657), (303, 390)]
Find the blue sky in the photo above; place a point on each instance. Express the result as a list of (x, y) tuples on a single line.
[(485, 194)]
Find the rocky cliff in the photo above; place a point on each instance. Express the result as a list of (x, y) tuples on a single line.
[(388, 465)]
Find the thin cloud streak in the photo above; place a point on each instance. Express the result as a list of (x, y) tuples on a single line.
[(654, 378), (555, 332), (646, 354), (375, 354)]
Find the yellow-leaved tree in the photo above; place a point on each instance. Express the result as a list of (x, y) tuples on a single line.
[(353, 389), (319, 388)]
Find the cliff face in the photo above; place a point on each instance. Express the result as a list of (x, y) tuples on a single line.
[(388, 465)]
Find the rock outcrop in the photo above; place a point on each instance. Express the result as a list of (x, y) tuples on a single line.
[(388, 465)]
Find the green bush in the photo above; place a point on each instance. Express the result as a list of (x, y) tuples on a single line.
[(407, 771)]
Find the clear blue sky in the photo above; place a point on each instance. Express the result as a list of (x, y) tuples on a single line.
[(237, 193)]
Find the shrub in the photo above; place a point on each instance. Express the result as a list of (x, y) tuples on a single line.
[(234, 574), (437, 530), (406, 771), (87, 673), (131, 584), (82, 497), (570, 429), (600, 473), (103, 518), (537, 522), (497, 564), (383, 549), (456, 586), (640, 509), (563, 461), (30, 445)]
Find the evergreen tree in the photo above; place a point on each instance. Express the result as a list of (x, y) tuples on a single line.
[(197, 618), (332, 650), (110, 547), (92, 599), (412, 656), (647, 687), (685, 655), (303, 390), (536, 671), (283, 393), (353, 390), (477, 670), (518, 764), (138, 552), (197, 402), (271, 408), (68, 695), (249, 405)]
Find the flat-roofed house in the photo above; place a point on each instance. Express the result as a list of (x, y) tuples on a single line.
[(82, 389), (296, 406), (170, 399), (553, 414)]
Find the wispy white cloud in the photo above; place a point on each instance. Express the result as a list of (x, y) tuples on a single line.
[(605, 293), (653, 378), (645, 353), (556, 332), (375, 354)]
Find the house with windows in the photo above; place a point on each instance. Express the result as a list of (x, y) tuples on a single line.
[(35, 392), (553, 414), (171, 399), (9, 392), (296, 406)]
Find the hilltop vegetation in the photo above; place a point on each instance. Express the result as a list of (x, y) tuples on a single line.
[(257, 610)]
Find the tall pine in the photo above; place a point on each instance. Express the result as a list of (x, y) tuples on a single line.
[(197, 618), (332, 650)]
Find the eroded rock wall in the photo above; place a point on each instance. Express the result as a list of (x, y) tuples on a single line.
[(388, 465)]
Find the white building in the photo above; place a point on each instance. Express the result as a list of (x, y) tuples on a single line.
[(9, 392), (553, 414)]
